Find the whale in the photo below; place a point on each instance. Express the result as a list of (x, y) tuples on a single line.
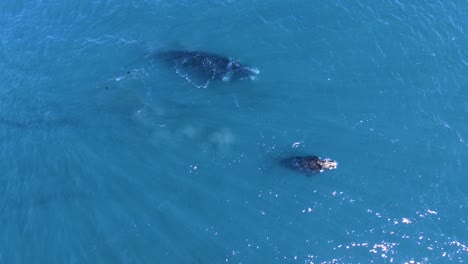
[(309, 164), (206, 65)]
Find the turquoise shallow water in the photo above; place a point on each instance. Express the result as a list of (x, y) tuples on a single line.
[(98, 165)]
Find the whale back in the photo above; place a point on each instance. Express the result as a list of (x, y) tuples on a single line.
[(309, 164), (208, 65)]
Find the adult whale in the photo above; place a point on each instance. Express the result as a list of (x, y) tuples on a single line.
[(207, 65), (309, 164)]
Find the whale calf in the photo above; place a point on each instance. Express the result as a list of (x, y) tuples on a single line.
[(310, 164), (207, 65)]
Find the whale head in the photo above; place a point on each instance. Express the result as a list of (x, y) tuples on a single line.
[(237, 71), (327, 164)]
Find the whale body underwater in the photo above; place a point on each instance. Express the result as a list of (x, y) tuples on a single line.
[(207, 65)]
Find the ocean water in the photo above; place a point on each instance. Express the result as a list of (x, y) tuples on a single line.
[(109, 156)]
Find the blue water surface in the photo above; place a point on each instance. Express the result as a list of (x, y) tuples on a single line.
[(109, 156)]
